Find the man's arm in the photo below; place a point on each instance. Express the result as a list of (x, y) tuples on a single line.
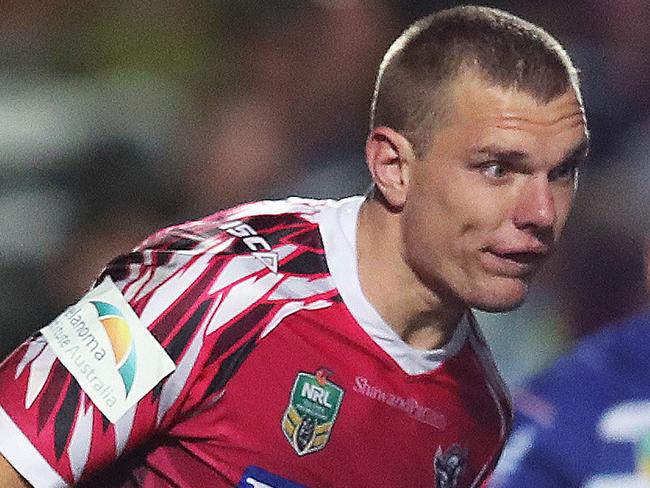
[(9, 477)]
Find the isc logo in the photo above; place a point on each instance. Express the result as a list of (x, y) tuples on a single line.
[(256, 243), (316, 394)]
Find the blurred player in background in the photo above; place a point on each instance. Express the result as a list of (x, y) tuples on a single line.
[(325, 343)]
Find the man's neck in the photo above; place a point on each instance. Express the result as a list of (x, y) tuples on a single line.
[(422, 318)]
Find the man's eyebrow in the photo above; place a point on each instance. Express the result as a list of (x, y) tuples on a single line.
[(579, 153), (501, 154)]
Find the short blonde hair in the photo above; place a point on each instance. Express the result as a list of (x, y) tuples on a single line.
[(419, 67)]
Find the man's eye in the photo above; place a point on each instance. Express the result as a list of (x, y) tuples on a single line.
[(494, 170), (564, 172)]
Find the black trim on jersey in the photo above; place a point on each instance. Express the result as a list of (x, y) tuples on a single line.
[(237, 247), (119, 268), (175, 239), (65, 418), (284, 235), (182, 338), (182, 244), (157, 390), (274, 227), (168, 324), (236, 331), (106, 423), (306, 263), (50, 396), (229, 366), (309, 237)]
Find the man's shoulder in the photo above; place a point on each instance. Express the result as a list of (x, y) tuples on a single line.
[(602, 370), (244, 243), (245, 221), (615, 350)]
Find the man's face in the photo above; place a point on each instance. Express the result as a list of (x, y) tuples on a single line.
[(488, 202)]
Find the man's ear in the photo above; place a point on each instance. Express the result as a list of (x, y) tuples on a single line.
[(390, 156)]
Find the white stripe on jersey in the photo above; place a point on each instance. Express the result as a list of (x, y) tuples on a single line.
[(240, 297), (154, 275), (24, 457), (34, 348), (290, 308), (81, 438), (39, 370), (244, 265), (174, 384), (139, 286), (123, 428), (170, 290), (306, 207), (298, 287)]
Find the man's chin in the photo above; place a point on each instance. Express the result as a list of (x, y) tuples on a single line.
[(504, 298)]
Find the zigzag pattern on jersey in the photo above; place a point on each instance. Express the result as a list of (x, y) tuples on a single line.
[(207, 300), (302, 265)]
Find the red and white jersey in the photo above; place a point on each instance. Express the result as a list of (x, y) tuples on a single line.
[(240, 350)]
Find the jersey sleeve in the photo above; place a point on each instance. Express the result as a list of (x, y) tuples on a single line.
[(85, 391)]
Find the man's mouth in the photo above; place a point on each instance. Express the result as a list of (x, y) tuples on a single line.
[(514, 263)]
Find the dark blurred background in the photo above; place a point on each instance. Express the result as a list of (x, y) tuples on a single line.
[(120, 117)]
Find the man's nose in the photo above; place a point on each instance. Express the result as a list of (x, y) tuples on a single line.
[(536, 205)]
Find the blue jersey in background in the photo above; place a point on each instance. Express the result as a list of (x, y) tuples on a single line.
[(585, 422)]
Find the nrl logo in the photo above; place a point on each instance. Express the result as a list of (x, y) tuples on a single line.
[(310, 416), (449, 466)]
